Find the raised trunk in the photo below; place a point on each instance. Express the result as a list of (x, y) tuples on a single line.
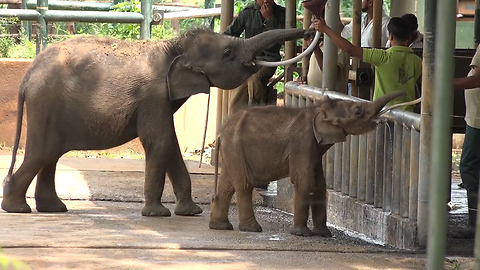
[(382, 101), (258, 43)]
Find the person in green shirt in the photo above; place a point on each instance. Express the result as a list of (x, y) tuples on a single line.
[(396, 68)]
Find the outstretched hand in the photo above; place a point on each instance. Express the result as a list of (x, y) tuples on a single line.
[(319, 24)]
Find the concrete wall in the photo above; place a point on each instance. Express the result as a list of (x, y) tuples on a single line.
[(189, 119)]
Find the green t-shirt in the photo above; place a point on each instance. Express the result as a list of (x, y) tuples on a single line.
[(396, 68)]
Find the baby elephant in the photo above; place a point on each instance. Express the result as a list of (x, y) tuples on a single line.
[(265, 144)]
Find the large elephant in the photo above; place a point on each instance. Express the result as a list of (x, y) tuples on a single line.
[(97, 93), (265, 144)]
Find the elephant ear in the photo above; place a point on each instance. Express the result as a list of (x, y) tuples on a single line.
[(185, 80), (327, 130)]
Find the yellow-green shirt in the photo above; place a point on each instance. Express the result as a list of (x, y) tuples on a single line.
[(397, 68)]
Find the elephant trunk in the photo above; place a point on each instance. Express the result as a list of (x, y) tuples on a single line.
[(382, 101), (260, 42)]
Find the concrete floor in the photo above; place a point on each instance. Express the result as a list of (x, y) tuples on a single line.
[(104, 229)]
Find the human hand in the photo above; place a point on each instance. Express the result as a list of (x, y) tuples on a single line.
[(319, 24), (266, 10)]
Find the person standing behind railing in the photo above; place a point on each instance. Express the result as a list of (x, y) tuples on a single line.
[(254, 19), (470, 160), (416, 38), (314, 75), (396, 68), (366, 26)]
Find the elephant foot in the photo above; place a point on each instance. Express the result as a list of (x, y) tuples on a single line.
[(155, 210), (15, 207), (250, 227), (51, 206), (301, 231), (224, 225), (324, 232), (187, 209)]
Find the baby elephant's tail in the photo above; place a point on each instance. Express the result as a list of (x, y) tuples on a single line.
[(217, 161)]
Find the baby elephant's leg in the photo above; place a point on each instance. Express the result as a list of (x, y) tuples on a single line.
[(246, 215), (220, 205), (302, 199), (319, 207)]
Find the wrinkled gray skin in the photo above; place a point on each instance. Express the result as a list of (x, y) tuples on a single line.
[(265, 144), (97, 93)]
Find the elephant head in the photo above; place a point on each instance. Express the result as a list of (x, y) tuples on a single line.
[(202, 59), (336, 118)]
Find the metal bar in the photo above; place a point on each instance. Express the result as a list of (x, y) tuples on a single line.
[(27, 26), (441, 135), (370, 177), (330, 54), (337, 174), (388, 167), (405, 176), (302, 102), (414, 158), (200, 13), (397, 168), (356, 40), (288, 99), (379, 165), (146, 24), (23, 15), (377, 23), (354, 157), (94, 16), (42, 7), (362, 165), (73, 5), (426, 119), (291, 45), (294, 103), (346, 166)]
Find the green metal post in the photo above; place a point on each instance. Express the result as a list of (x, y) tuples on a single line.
[(42, 7), (430, 9), (27, 26), (146, 25), (441, 152)]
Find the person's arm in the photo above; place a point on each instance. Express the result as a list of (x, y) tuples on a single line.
[(339, 41), (472, 81)]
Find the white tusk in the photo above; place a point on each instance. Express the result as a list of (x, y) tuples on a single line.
[(296, 58), (413, 102)]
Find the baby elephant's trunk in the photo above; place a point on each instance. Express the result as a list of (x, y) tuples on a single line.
[(382, 101)]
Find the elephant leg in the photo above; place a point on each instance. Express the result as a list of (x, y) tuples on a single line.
[(221, 204), (45, 194), (247, 221), (154, 185), (301, 200), (15, 186), (319, 207), (181, 183)]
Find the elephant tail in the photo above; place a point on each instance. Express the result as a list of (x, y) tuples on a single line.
[(217, 161), (20, 105)]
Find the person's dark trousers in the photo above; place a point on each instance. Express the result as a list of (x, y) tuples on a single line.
[(470, 171)]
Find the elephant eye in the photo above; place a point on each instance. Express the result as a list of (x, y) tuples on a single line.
[(227, 53), (358, 112)]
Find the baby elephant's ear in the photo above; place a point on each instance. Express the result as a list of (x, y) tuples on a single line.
[(327, 130)]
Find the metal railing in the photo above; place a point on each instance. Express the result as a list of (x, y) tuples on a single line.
[(379, 168)]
